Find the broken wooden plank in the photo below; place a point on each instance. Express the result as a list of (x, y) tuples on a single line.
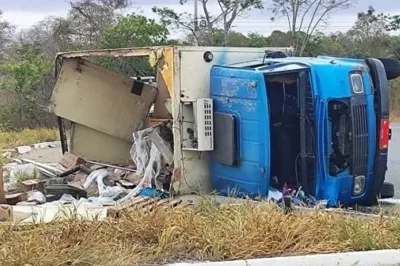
[(114, 211), (44, 166), (108, 102), (162, 146), (113, 166), (124, 52)]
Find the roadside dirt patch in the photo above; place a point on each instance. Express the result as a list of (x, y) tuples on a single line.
[(48, 155)]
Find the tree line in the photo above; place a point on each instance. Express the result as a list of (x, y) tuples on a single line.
[(26, 56)]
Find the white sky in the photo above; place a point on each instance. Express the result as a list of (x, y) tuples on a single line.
[(25, 13)]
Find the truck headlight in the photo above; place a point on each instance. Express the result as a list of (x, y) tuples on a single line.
[(357, 83), (359, 185)]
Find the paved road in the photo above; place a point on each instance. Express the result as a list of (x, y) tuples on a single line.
[(393, 173)]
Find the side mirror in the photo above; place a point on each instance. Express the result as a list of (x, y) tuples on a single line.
[(392, 67)]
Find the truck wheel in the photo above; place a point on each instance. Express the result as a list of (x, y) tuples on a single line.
[(392, 67), (387, 191)]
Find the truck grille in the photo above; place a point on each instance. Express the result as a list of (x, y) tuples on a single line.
[(360, 135)]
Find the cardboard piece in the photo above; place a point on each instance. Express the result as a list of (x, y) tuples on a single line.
[(70, 160)]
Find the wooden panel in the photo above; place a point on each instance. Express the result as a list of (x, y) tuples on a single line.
[(93, 96), (93, 145), (165, 72)]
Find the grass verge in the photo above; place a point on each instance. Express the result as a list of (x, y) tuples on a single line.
[(209, 232), (12, 139)]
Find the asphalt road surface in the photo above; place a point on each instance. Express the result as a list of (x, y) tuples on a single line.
[(393, 172)]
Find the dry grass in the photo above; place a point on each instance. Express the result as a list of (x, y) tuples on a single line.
[(12, 139), (207, 233), (395, 117)]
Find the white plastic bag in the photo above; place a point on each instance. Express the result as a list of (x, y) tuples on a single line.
[(140, 151), (95, 175), (36, 196)]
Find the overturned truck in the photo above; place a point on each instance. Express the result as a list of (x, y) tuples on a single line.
[(241, 121)]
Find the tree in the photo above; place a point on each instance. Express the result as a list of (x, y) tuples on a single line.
[(229, 11), (298, 11), (280, 39), (369, 34), (132, 31), (86, 19), (185, 21), (257, 40), (26, 77), (368, 24), (6, 32), (236, 39)]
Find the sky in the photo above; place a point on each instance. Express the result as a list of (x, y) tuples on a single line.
[(25, 13)]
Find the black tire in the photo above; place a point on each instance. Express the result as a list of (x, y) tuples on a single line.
[(387, 191), (392, 67), (58, 190)]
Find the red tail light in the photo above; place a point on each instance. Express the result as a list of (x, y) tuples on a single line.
[(384, 141)]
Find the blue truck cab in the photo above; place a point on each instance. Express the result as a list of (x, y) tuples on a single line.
[(318, 123)]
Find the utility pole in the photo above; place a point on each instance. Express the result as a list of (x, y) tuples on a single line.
[(196, 22)]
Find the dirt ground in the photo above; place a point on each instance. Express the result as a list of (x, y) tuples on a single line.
[(48, 155)]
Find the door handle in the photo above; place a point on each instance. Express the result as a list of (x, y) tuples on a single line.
[(262, 169)]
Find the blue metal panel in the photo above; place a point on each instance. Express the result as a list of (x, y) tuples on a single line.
[(334, 83), (242, 92)]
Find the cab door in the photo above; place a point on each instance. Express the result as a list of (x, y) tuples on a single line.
[(240, 162)]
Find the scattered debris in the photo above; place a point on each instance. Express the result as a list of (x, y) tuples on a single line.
[(7, 154), (133, 178), (36, 196), (33, 184), (79, 180), (5, 212), (27, 203), (13, 199), (44, 145), (98, 165), (80, 167), (126, 184), (274, 194), (149, 202), (24, 149), (53, 145), (69, 160), (297, 197), (45, 167), (75, 181), (57, 190)]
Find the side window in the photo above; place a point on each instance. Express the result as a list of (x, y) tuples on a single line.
[(357, 83), (372, 85)]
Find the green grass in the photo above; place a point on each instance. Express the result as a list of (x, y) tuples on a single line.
[(208, 232), (12, 139), (24, 176)]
